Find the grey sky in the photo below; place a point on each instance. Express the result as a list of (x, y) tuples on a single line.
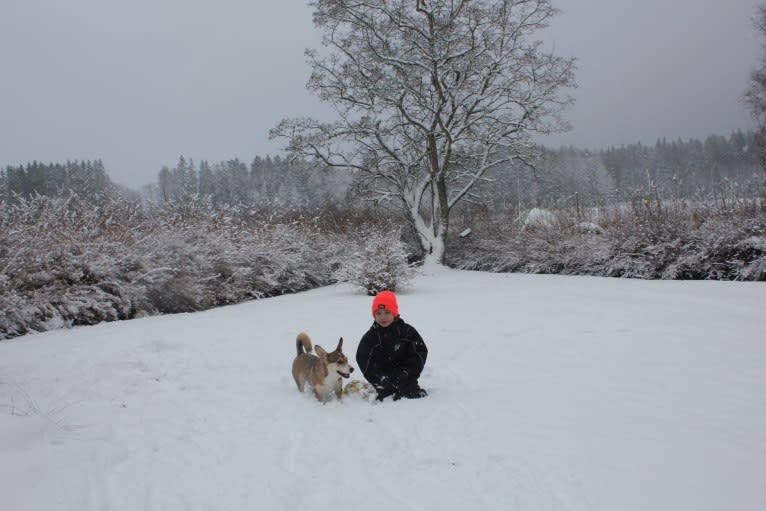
[(139, 83)]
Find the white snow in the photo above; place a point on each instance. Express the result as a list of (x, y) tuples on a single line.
[(546, 393)]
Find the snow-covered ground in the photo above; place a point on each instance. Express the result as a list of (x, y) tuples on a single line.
[(546, 393)]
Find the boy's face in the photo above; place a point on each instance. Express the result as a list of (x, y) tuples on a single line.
[(383, 317)]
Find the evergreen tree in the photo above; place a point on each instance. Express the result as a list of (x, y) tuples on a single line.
[(206, 179)]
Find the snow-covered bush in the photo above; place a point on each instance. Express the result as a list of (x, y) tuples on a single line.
[(58, 257), (378, 263), (589, 228), (538, 218), (647, 238), (66, 261)]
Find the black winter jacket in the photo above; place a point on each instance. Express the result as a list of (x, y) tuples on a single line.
[(392, 358)]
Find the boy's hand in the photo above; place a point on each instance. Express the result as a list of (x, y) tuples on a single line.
[(401, 379), (384, 392), (384, 388)]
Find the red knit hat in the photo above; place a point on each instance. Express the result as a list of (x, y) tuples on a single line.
[(385, 300)]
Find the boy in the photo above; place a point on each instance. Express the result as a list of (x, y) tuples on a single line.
[(391, 355)]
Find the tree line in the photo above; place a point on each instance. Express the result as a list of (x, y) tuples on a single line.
[(690, 169), (675, 169), (83, 178), (266, 180)]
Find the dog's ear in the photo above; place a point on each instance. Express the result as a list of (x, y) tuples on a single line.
[(320, 351), (340, 344)]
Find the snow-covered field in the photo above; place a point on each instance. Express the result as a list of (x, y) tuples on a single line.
[(546, 393)]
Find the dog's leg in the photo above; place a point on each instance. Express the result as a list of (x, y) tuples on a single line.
[(339, 389), (299, 383)]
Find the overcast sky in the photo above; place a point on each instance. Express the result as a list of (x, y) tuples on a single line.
[(138, 83)]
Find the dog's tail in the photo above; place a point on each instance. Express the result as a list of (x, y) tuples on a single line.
[(302, 342)]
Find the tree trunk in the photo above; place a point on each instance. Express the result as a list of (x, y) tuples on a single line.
[(431, 235)]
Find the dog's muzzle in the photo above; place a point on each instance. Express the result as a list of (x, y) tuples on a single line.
[(348, 374)]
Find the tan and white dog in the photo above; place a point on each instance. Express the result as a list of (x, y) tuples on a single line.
[(323, 372)]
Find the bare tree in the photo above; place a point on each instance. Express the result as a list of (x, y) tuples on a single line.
[(755, 97), (430, 96)]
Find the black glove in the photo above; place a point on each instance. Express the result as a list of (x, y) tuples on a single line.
[(384, 388), (401, 379), (383, 393)]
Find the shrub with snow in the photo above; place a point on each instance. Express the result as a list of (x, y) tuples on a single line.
[(67, 261), (378, 263), (538, 218), (646, 239)]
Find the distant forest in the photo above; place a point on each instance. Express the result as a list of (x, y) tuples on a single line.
[(672, 169), (83, 178)]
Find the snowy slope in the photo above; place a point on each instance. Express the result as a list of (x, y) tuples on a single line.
[(547, 393)]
